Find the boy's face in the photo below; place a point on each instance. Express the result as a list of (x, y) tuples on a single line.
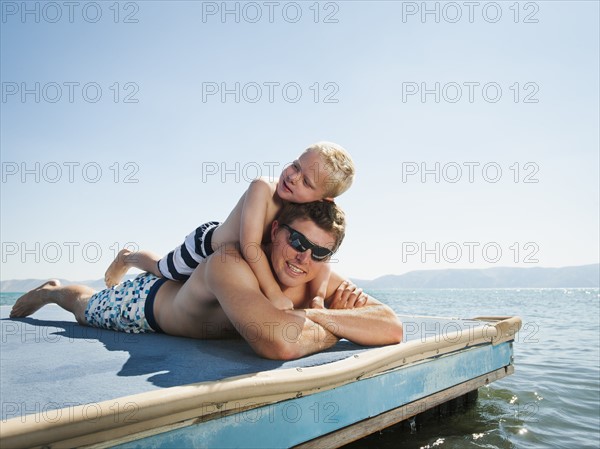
[(304, 180)]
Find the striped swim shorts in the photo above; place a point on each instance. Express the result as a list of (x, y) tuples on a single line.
[(180, 263), (127, 307)]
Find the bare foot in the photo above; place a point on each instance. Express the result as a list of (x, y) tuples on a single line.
[(117, 269), (33, 300)]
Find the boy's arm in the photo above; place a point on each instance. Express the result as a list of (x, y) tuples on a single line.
[(317, 288), (254, 211), (267, 329), (372, 324), (272, 333)]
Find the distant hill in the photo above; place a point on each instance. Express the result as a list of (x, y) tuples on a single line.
[(499, 277)]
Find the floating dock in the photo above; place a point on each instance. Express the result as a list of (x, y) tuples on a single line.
[(65, 385)]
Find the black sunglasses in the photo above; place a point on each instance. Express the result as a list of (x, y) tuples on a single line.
[(300, 243)]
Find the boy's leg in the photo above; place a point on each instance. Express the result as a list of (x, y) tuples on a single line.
[(73, 298), (126, 259), (179, 264)]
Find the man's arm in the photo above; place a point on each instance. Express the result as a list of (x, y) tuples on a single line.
[(371, 324), (272, 333)]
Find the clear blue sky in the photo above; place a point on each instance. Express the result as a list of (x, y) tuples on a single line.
[(136, 92)]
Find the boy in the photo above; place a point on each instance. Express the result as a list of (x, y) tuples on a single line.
[(323, 171)]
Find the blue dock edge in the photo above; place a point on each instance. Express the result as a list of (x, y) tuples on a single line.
[(295, 421)]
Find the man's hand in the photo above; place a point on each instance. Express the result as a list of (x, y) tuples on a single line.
[(352, 314), (347, 296)]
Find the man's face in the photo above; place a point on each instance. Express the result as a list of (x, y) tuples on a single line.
[(291, 267)]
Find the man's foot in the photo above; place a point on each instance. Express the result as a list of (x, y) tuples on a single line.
[(117, 269), (33, 300)]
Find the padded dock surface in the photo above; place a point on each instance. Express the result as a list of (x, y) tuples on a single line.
[(49, 362)]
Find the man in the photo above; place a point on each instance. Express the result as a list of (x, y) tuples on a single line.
[(223, 297)]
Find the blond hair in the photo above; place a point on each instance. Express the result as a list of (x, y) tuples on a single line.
[(338, 165)]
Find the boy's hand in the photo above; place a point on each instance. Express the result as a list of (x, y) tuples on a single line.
[(318, 302), (282, 302), (348, 296)]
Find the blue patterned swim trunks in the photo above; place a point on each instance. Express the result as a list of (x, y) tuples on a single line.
[(127, 307)]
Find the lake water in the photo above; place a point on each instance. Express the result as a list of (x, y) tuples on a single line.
[(553, 398)]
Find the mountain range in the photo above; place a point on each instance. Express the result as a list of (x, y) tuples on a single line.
[(497, 277)]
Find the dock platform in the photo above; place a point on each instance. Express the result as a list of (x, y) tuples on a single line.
[(65, 385)]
